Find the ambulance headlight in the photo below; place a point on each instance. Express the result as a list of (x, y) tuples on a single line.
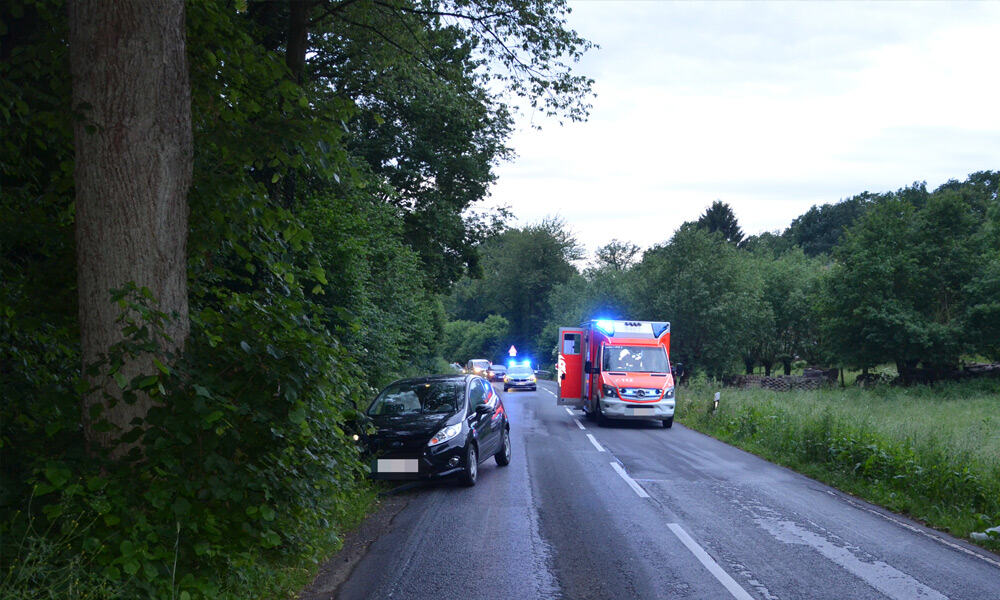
[(610, 391), (669, 392)]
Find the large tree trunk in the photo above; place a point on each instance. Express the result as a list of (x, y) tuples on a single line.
[(133, 170)]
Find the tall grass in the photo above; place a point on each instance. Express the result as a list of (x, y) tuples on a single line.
[(932, 452)]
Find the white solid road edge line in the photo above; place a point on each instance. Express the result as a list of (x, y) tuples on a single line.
[(631, 482), (593, 441), (713, 567), (905, 525), (578, 423)]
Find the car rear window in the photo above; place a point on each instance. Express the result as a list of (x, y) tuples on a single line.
[(408, 398)]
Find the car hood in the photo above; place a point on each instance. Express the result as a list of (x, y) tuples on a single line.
[(638, 380), (416, 425)]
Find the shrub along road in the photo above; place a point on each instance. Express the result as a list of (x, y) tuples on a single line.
[(636, 511)]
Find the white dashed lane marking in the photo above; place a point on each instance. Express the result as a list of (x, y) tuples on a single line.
[(593, 441), (578, 423), (631, 482)]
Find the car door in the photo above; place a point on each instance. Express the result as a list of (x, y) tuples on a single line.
[(485, 423)]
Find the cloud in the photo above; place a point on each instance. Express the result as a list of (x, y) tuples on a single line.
[(769, 107)]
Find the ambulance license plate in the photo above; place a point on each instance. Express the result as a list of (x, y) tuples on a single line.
[(397, 465), (642, 412)]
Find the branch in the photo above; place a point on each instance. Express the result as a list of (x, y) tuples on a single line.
[(331, 9)]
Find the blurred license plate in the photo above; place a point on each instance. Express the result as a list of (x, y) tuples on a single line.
[(642, 412), (398, 465)]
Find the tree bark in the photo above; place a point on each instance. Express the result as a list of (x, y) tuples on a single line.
[(133, 167)]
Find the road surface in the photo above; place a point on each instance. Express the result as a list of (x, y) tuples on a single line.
[(637, 511)]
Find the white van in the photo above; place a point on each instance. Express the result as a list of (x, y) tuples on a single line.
[(477, 366)]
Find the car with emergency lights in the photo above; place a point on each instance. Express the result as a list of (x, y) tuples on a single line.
[(436, 427), (617, 370), (520, 376)]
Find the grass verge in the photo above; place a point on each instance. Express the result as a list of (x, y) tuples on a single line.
[(930, 452)]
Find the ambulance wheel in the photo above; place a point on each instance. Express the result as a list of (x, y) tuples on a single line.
[(668, 422), (602, 421)]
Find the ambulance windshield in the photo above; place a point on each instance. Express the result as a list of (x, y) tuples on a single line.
[(635, 359)]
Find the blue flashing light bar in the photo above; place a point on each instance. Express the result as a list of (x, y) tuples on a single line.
[(606, 326)]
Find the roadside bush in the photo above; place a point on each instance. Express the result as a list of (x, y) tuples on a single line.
[(243, 465)]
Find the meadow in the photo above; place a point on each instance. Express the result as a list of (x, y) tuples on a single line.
[(931, 452)]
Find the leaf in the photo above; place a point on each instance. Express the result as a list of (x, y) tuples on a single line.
[(245, 346), (57, 474), (162, 367), (120, 379), (202, 390)]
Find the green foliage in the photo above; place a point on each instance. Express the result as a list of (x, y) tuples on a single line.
[(707, 289), (466, 340), (898, 290), (820, 229), (521, 268), (720, 218)]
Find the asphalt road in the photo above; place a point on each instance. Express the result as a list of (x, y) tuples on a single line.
[(637, 511)]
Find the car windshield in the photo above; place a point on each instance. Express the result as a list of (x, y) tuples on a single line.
[(520, 370), (499, 369), (635, 359), (410, 398)]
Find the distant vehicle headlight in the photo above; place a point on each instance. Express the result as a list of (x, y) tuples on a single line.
[(445, 434), (506, 378)]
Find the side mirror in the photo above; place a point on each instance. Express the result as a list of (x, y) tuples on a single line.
[(588, 368)]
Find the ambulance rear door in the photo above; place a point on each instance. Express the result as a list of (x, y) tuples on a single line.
[(569, 368)]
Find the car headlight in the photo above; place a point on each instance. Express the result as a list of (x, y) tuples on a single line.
[(532, 378), (609, 391), (445, 434), (506, 378), (669, 392)]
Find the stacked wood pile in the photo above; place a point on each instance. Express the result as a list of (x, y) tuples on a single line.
[(811, 379)]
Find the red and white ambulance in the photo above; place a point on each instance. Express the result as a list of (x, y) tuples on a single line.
[(617, 370)]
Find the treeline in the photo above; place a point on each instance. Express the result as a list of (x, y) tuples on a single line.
[(910, 278), (324, 176)]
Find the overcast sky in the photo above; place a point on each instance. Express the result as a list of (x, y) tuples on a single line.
[(769, 107)]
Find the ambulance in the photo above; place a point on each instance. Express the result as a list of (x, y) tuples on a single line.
[(617, 370)]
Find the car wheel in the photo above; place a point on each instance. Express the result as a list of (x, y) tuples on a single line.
[(503, 454), (668, 422), (468, 476)]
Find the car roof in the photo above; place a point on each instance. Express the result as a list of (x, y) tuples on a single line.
[(435, 378)]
